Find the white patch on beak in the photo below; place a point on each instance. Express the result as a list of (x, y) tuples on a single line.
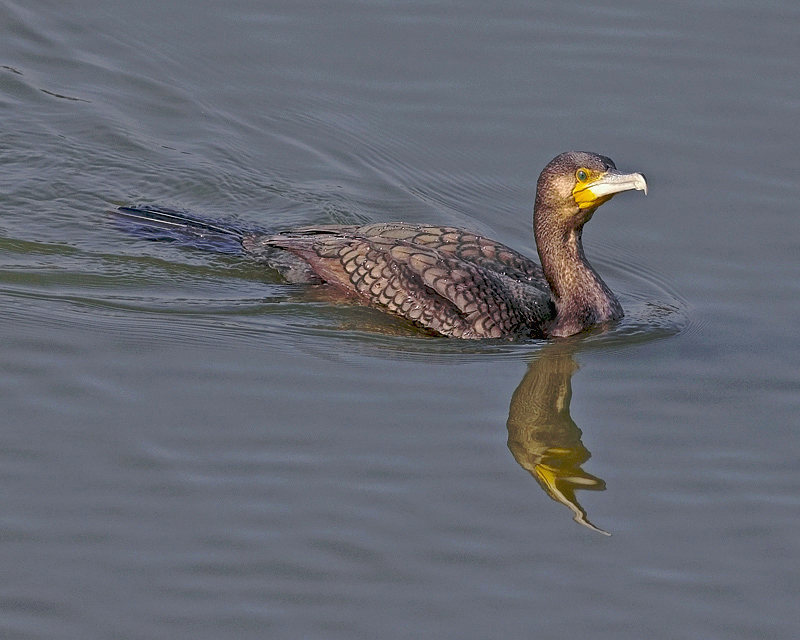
[(612, 183)]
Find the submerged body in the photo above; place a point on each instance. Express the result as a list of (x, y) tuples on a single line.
[(449, 280)]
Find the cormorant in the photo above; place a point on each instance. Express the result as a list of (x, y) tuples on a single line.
[(451, 281)]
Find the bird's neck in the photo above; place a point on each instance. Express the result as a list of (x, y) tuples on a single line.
[(580, 296)]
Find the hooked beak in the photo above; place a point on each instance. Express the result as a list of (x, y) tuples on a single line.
[(601, 190), (612, 183)]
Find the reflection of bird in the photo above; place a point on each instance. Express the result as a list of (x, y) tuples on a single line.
[(451, 281), (542, 436)]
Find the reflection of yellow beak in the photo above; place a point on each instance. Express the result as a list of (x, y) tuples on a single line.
[(604, 188), (561, 479)]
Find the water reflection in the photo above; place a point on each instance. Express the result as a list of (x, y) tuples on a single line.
[(542, 435)]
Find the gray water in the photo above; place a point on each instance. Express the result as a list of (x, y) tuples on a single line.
[(191, 448)]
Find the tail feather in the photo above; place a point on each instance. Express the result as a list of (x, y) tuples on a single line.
[(158, 223), (168, 225), (177, 221)]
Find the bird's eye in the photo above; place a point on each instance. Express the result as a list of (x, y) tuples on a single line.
[(582, 175)]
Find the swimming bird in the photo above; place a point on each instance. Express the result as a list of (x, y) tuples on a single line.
[(449, 280)]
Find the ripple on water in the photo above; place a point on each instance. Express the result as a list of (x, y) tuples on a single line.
[(220, 299)]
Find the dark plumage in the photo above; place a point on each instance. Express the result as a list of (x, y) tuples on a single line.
[(449, 280)]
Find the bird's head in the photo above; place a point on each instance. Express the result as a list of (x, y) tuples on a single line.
[(575, 183)]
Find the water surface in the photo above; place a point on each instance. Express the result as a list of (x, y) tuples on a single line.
[(193, 449)]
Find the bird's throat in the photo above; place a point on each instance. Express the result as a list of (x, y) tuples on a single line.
[(581, 297)]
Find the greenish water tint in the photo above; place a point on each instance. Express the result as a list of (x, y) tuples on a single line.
[(191, 448)]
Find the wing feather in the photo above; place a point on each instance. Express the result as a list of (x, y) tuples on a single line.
[(441, 278)]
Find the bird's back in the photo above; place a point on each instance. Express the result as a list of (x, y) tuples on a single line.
[(445, 279)]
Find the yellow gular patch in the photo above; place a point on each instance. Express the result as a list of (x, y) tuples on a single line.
[(582, 191)]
